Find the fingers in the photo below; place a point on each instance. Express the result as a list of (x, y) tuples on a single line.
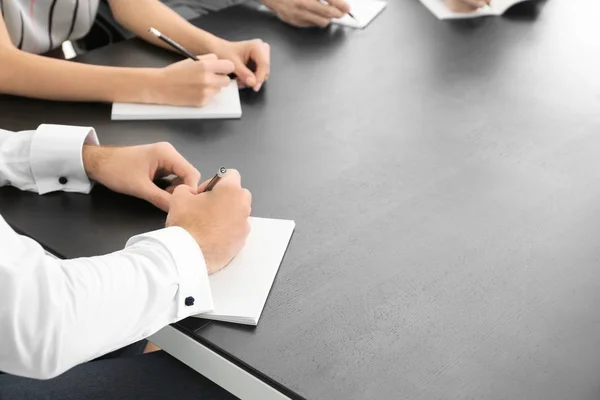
[(248, 199), (203, 186), (223, 67), (173, 162), (244, 74), (217, 81), (321, 10), (340, 5), (155, 195), (231, 178), (183, 191), (261, 55), (465, 5), (311, 19), (208, 57)]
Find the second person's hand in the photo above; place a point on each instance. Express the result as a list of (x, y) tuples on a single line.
[(465, 5), (189, 82), (308, 13)]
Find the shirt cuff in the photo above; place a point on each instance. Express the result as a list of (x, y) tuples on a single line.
[(56, 158), (194, 295)]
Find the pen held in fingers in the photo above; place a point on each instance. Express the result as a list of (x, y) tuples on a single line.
[(171, 43), (218, 176)]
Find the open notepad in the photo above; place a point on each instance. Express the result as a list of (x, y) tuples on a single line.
[(497, 7), (364, 11), (226, 104), (240, 290)]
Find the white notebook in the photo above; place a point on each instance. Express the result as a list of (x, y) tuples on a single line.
[(225, 105), (497, 7), (364, 12), (240, 290)]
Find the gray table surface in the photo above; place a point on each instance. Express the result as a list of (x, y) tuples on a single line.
[(444, 177)]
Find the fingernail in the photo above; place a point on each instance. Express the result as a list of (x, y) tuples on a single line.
[(250, 82), (257, 87)]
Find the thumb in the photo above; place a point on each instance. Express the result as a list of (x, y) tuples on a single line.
[(155, 195), (244, 74), (203, 186)]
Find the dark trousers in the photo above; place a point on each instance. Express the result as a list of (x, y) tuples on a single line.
[(122, 375)]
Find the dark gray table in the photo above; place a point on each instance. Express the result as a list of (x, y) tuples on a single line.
[(445, 181)]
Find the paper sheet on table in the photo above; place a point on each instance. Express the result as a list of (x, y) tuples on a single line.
[(441, 11), (364, 12), (240, 290), (225, 105)]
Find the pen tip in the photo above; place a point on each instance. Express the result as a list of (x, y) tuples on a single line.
[(154, 32)]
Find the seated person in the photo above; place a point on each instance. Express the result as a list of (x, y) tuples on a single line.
[(28, 26), (465, 5), (56, 314)]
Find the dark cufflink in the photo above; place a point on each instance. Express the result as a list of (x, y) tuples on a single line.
[(62, 180), (189, 301)]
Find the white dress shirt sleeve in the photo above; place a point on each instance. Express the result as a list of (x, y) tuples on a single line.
[(45, 160), (55, 314)]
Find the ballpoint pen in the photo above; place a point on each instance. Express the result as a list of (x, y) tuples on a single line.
[(220, 174), (173, 44)]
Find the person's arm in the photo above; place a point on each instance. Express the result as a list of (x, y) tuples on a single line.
[(138, 16), (45, 160), (55, 314), (29, 75)]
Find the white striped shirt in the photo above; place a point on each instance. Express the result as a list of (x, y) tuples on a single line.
[(37, 26)]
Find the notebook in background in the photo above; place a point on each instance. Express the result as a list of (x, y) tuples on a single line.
[(364, 12), (225, 105), (240, 290), (441, 11)]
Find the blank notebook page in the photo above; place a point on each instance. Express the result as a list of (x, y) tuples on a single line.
[(225, 105), (240, 290), (364, 11)]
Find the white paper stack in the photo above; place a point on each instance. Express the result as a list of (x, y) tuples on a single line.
[(240, 290), (225, 105), (364, 11)]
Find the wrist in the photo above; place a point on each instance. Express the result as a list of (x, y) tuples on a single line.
[(135, 85), (92, 159), (215, 45)]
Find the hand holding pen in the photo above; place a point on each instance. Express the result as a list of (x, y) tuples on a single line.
[(217, 220), (238, 54), (308, 13)]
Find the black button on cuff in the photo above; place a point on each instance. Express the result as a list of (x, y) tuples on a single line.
[(62, 180), (189, 301)]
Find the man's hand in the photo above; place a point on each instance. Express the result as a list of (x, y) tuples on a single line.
[(307, 13), (218, 219), (465, 5), (132, 170), (190, 83), (251, 58)]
